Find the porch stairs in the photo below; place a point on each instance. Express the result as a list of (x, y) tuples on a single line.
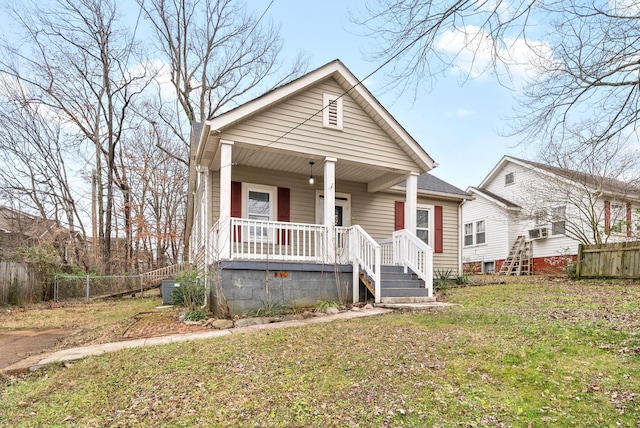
[(398, 287), (518, 262)]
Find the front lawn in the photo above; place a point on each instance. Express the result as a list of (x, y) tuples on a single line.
[(530, 354)]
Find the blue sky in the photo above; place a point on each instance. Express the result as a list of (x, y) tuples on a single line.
[(459, 125)]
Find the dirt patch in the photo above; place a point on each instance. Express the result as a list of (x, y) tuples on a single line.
[(159, 324), (16, 345)]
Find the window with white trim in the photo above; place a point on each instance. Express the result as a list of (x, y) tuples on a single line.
[(423, 224), (259, 203), (332, 111), (475, 233), (558, 220), (618, 218), (540, 217)]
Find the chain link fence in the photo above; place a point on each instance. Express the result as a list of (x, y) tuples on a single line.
[(75, 287), (87, 287)]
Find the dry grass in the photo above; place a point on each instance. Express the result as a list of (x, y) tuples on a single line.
[(540, 353)]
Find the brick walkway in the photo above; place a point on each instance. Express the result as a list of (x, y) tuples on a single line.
[(159, 324)]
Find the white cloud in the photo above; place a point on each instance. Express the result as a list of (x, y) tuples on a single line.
[(624, 7), (473, 54), (463, 112)]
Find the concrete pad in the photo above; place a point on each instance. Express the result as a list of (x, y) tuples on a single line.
[(414, 306)]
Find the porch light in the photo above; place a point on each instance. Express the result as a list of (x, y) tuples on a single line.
[(311, 180)]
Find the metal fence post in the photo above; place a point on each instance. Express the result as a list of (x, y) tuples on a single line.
[(87, 288)]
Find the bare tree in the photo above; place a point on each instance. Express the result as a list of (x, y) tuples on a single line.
[(582, 57), (76, 61), (576, 186), (34, 153), (217, 53), (157, 197)]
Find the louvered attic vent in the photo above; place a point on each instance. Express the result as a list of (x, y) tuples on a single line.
[(332, 112)]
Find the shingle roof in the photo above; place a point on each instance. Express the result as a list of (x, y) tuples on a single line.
[(432, 183), (492, 195), (607, 185)]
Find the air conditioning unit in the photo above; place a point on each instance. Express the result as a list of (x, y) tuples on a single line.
[(538, 233)]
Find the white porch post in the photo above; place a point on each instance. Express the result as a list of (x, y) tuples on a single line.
[(330, 205), (224, 238), (411, 203), (205, 220)]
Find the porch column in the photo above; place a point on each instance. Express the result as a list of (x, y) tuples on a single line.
[(224, 236), (411, 203), (330, 205), (205, 218)]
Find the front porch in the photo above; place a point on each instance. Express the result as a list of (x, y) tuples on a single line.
[(343, 262)]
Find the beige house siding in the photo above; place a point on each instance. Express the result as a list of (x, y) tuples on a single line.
[(448, 259), (373, 211), (360, 139)]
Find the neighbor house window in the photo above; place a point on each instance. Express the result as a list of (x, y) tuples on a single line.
[(468, 234), (618, 218), (475, 233), (509, 178), (540, 217), (489, 267), (481, 237), (558, 220), (422, 225), (332, 111)]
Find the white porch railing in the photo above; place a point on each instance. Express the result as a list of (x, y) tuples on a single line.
[(299, 242), (365, 255), (271, 240), (411, 252), (386, 252)]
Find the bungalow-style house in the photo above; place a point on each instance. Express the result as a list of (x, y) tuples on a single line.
[(527, 217), (313, 191)]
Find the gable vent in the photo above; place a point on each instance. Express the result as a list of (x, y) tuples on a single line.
[(332, 111)]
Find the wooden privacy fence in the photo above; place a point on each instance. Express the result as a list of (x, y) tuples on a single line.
[(619, 260), (20, 283)]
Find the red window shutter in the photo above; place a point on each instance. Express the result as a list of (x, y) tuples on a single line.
[(628, 218), (399, 215), (607, 217), (284, 213), (236, 207), (438, 236)]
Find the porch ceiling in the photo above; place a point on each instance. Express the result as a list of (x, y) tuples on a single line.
[(266, 158)]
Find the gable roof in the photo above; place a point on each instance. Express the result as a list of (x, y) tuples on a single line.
[(607, 186), (351, 86), (504, 203)]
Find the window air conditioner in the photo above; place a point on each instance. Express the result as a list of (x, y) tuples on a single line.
[(538, 233)]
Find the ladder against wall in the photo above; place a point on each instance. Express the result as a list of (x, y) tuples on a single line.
[(518, 262)]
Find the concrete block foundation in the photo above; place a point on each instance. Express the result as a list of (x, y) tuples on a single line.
[(290, 285)]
